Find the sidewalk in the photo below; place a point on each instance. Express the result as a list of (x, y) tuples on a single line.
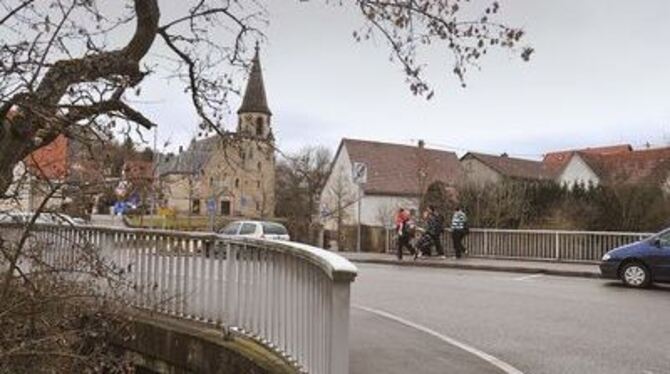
[(473, 263)]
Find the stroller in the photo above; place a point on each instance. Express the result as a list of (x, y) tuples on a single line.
[(423, 242)]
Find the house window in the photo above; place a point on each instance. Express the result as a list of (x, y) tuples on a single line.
[(259, 166), (225, 208), (195, 206), (258, 206), (258, 184), (237, 182)]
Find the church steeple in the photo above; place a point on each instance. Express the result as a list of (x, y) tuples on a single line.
[(254, 100)]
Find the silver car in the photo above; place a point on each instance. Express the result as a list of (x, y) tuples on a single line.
[(42, 218), (257, 229)]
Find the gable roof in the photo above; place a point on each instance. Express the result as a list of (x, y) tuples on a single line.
[(511, 166), (138, 170), (50, 161), (189, 161), (636, 167), (393, 169), (554, 162)]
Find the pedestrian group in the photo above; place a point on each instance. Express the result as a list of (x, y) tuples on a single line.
[(420, 241)]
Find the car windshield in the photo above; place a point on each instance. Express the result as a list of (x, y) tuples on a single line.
[(231, 229), (270, 228)]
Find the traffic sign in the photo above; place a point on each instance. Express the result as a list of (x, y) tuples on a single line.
[(360, 172)]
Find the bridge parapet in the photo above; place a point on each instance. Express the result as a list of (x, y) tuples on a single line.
[(291, 297)]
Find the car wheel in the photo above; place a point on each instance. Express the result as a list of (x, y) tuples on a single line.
[(635, 274)]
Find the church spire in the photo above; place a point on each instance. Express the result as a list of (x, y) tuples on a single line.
[(254, 100)]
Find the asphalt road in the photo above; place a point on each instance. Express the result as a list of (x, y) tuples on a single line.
[(537, 324)]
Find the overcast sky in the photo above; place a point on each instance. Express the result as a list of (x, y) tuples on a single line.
[(599, 76)]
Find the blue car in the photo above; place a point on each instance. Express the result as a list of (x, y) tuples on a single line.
[(641, 263)]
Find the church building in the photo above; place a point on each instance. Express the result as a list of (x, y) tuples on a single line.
[(231, 177)]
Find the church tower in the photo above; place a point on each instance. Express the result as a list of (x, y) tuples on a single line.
[(254, 114), (258, 159)]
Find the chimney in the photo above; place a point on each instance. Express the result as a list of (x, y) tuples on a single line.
[(421, 144)]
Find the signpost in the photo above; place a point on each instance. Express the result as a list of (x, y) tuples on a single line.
[(211, 210), (360, 177)]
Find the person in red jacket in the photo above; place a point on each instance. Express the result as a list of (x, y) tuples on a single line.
[(402, 228)]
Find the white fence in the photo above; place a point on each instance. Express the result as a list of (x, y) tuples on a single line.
[(568, 246), (292, 297)]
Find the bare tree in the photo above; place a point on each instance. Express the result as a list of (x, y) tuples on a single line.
[(338, 199), (59, 68), (300, 178), (63, 314)]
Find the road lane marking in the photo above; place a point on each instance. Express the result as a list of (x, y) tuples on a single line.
[(507, 368), (527, 277)]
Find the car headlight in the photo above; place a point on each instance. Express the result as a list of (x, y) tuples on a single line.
[(606, 257)]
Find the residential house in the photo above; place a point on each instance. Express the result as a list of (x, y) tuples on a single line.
[(556, 162), (646, 166), (481, 168), (75, 166), (397, 176), (232, 176), (42, 172)]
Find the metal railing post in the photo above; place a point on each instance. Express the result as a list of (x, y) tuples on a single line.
[(557, 249), (339, 328)]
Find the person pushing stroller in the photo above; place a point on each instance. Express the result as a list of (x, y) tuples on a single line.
[(432, 235)]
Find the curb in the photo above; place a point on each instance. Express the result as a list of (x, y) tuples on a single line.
[(506, 269)]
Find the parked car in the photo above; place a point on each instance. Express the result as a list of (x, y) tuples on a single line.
[(42, 218), (257, 229), (641, 263)]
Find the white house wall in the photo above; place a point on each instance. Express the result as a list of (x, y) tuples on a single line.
[(380, 210), (19, 190), (341, 173), (577, 171)]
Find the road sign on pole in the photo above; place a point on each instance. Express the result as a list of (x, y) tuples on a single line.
[(360, 177), (360, 173), (211, 211)]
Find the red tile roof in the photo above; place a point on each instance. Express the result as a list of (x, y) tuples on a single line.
[(512, 167), (393, 169), (51, 161), (138, 170), (641, 166), (554, 162)]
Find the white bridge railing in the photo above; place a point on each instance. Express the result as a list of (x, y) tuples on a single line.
[(555, 245), (291, 297)]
